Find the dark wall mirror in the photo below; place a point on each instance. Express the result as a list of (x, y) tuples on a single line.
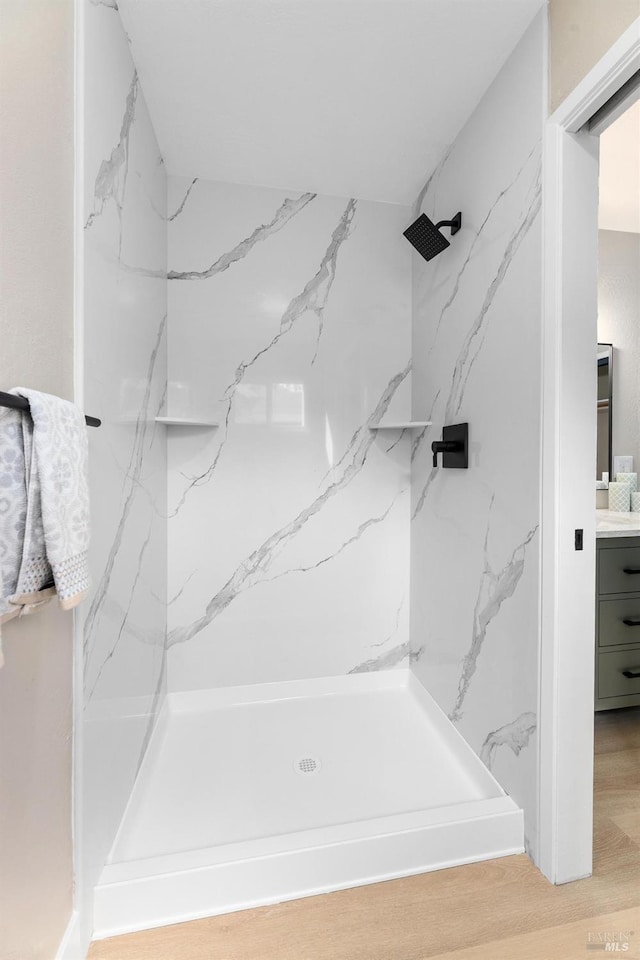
[(604, 463)]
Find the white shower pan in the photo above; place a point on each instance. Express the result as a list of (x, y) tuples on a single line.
[(254, 795)]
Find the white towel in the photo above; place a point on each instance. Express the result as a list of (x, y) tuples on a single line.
[(13, 507), (45, 530)]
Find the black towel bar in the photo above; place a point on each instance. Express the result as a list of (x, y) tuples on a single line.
[(19, 403)]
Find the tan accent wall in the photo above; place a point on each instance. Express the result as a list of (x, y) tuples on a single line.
[(580, 33), (36, 349)]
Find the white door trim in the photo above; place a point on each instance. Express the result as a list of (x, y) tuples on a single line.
[(617, 66), (570, 172)]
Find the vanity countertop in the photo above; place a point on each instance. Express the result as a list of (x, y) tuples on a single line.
[(611, 523)]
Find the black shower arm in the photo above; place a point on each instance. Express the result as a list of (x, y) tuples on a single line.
[(455, 224)]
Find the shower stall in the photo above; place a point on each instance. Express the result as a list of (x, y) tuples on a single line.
[(310, 656)]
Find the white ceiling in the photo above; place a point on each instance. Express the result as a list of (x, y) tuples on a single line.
[(345, 97), (620, 173)]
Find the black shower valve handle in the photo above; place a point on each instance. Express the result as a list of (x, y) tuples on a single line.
[(454, 446), (444, 446)]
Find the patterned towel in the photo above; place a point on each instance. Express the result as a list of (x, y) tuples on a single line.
[(13, 507), (44, 505)]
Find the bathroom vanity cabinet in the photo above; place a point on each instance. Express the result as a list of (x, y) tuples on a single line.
[(617, 622)]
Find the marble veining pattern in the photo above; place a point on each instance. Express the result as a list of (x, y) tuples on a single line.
[(180, 207), (111, 179), (494, 590), (475, 337), (476, 349), (253, 567), (125, 345), (312, 300), (515, 735), (401, 653), (274, 521), (125, 616), (288, 209), (477, 238), (144, 429), (364, 526), (429, 184)]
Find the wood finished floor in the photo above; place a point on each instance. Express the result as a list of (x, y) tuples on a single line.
[(495, 910)]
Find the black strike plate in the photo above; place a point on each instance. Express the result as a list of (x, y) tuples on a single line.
[(459, 433)]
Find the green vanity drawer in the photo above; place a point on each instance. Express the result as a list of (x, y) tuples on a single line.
[(612, 565), (612, 630), (611, 680)]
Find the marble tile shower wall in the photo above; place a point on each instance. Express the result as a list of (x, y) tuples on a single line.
[(476, 357), (289, 323), (125, 342)]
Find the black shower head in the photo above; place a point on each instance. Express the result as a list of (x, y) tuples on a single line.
[(425, 236)]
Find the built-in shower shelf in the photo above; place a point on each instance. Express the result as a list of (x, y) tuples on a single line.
[(402, 425), (186, 422)]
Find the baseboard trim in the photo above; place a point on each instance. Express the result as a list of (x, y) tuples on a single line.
[(72, 946)]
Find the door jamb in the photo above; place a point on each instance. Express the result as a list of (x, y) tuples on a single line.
[(570, 161)]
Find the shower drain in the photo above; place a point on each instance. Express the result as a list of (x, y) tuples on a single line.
[(307, 765)]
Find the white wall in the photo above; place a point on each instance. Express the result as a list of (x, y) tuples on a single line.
[(36, 331), (288, 525), (619, 181), (619, 324), (476, 358), (124, 248), (580, 33)]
